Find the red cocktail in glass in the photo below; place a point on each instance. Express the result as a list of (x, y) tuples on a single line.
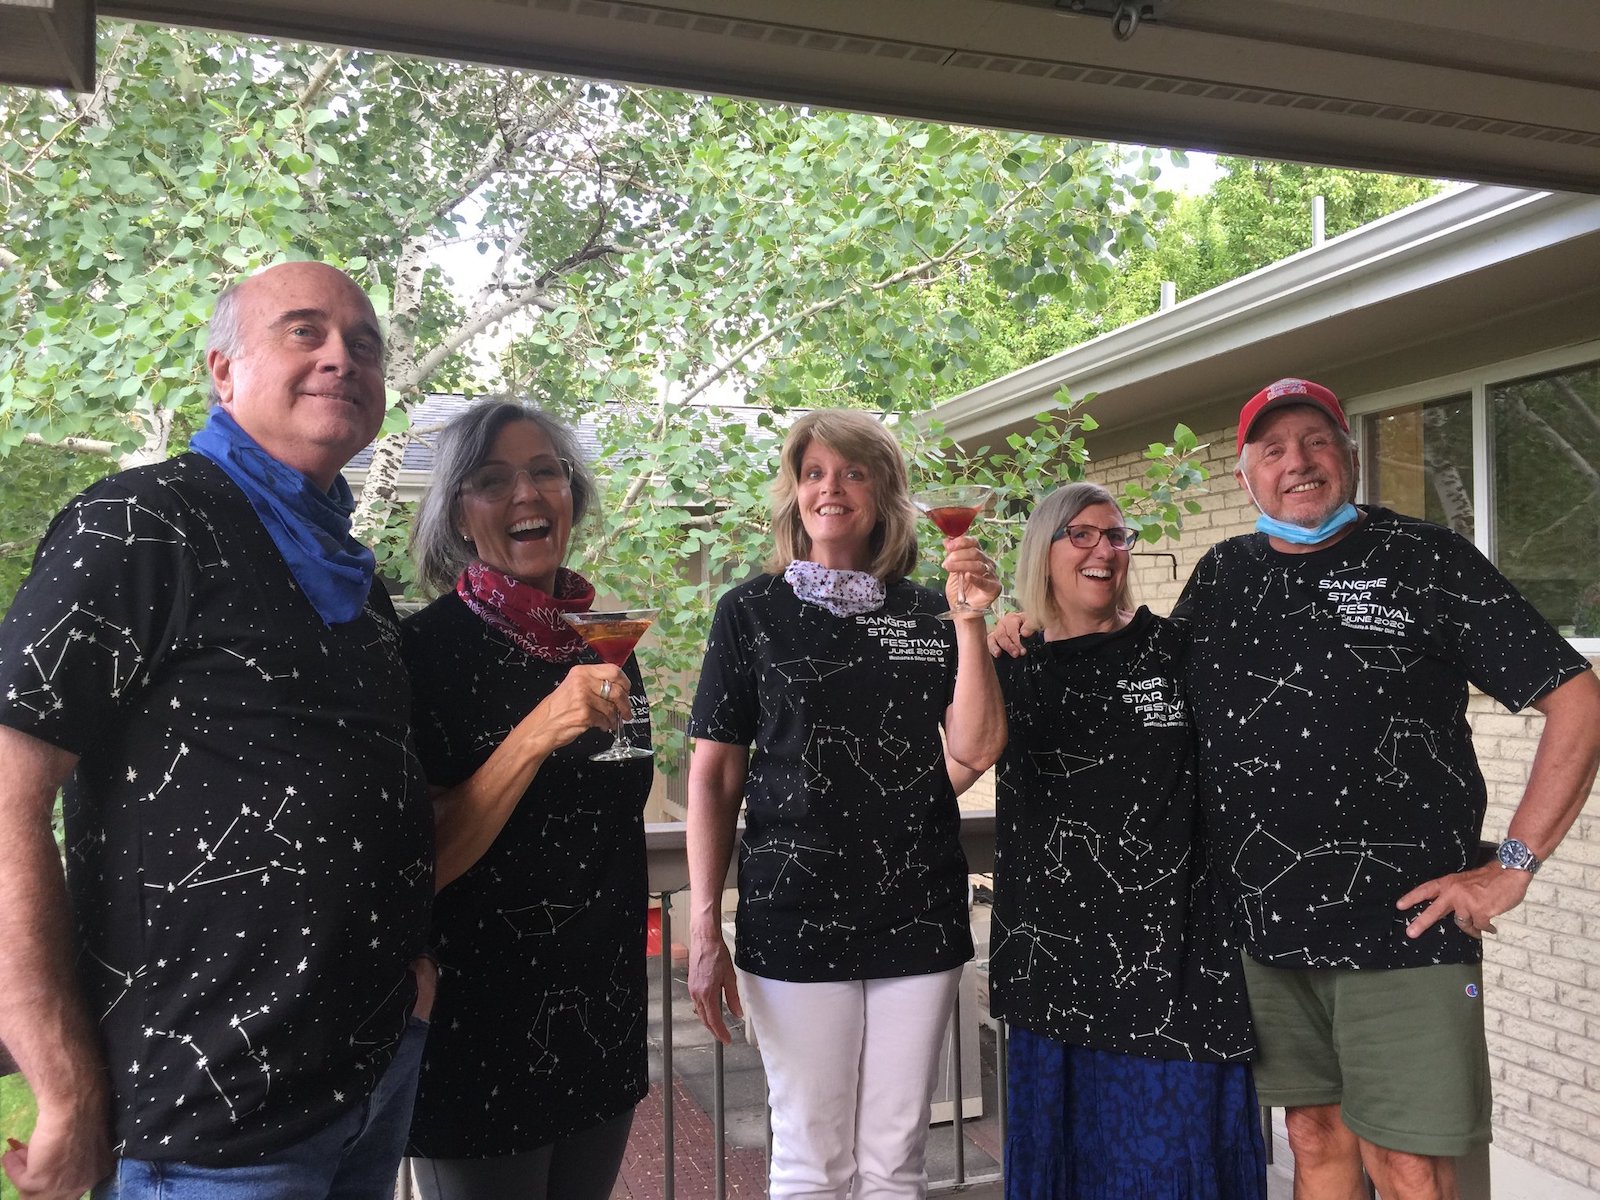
[(951, 520), (953, 510), (613, 635)]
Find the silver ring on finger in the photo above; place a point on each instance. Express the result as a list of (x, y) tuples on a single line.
[(605, 689)]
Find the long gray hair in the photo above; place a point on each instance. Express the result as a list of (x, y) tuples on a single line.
[(1059, 508), (437, 547)]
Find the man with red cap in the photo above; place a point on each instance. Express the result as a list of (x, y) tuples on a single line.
[(1330, 653), (1330, 657)]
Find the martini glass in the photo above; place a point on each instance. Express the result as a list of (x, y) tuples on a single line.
[(953, 510), (613, 635)]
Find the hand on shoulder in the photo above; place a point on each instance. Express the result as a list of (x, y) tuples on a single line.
[(1008, 634)]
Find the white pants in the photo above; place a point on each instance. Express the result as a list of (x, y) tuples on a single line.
[(850, 1068)]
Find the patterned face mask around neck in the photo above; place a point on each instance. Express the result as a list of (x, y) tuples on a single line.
[(843, 593)]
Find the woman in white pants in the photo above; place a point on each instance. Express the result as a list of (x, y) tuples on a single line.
[(852, 920)]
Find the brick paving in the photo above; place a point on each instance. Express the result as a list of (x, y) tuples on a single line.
[(642, 1174), (643, 1168)]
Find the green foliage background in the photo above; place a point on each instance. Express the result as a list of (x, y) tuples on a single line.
[(652, 250)]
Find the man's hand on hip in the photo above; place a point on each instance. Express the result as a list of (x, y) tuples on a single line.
[(1473, 899)]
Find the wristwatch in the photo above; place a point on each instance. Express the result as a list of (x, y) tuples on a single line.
[(1515, 856)]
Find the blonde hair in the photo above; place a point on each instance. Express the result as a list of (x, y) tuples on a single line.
[(1033, 559), (863, 440)]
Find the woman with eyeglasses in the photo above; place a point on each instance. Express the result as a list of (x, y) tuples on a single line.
[(536, 1058), (1128, 1023)]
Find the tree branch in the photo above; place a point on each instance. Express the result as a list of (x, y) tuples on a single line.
[(75, 445), (7, 549), (923, 268), (513, 138), (11, 260), (1558, 443), (532, 296), (1564, 386), (319, 78)]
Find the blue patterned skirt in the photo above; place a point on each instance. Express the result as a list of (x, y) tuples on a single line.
[(1097, 1125)]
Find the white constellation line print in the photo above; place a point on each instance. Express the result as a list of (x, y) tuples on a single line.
[(1277, 686)]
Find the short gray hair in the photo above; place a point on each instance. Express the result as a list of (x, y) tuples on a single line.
[(1033, 559), (437, 548), (222, 332)]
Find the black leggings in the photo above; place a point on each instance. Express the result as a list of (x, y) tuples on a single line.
[(583, 1166)]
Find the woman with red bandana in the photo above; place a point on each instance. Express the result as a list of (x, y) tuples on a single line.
[(536, 1058)]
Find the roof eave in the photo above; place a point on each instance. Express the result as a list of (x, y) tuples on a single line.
[(1438, 239)]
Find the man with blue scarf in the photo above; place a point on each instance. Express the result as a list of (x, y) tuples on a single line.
[(1330, 656), (221, 996)]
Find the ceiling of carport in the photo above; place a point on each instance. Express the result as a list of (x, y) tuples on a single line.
[(1471, 89)]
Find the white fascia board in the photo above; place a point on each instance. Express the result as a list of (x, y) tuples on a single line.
[(409, 484), (1429, 243)]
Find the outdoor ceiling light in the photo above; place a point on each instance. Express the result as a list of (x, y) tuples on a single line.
[(1126, 15)]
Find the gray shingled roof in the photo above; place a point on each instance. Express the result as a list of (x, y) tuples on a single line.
[(438, 408)]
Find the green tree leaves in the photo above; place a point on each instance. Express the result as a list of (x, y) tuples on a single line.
[(639, 253)]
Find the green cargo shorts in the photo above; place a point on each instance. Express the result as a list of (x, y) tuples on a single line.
[(1402, 1052)]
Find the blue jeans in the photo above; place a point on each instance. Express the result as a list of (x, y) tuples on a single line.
[(355, 1158)]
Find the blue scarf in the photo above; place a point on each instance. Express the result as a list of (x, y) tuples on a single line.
[(310, 527)]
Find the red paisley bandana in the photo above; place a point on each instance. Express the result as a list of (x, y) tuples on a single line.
[(527, 615)]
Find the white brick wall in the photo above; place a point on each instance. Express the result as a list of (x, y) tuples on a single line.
[(1542, 972)]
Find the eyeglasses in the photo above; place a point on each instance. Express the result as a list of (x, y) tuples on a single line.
[(495, 481), (1087, 537)]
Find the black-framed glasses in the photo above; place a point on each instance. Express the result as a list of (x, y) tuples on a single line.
[(1087, 537), (495, 481)]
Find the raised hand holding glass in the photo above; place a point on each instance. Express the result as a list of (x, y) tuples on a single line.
[(953, 510), (613, 635)]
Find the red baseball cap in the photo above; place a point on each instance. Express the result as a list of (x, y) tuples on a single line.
[(1286, 392)]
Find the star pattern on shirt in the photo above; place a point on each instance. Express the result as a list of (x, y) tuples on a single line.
[(160, 636), (850, 865), (1104, 932), (1330, 694), (539, 1025)]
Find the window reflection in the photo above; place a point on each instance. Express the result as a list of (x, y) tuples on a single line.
[(1546, 455), (1418, 460), (1544, 464)]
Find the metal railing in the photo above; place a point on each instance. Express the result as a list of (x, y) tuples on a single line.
[(669, 875)]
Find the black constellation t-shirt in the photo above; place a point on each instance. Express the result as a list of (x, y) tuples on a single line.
[(851, 865), (1330, 695), (539, 1027), (1105, 933), (249, 842)]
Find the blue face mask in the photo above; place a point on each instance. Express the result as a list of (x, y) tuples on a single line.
[(1301, 536)]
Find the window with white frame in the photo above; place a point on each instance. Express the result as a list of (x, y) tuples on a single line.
[(1513, 462)]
